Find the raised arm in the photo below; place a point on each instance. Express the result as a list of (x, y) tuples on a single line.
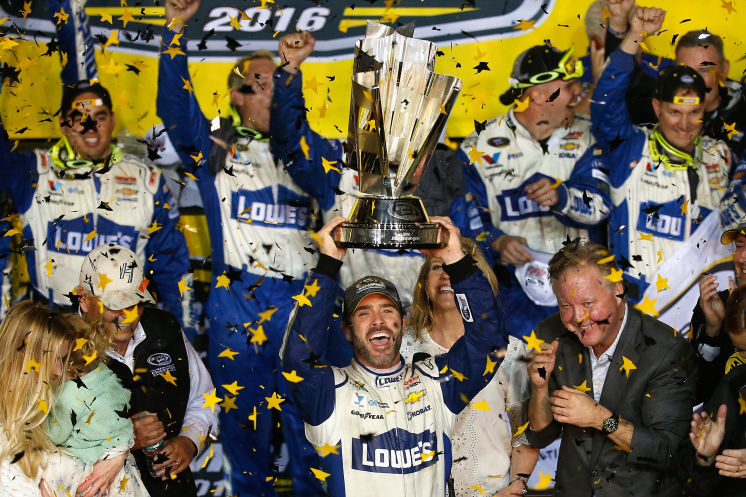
[(75, 40), (307, 335), (18, 170), (303, 151), (176, 104)]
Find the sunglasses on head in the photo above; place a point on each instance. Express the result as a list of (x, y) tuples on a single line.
[(568, 68)]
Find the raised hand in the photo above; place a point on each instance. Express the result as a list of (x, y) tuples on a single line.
[(453, 251), (706, 435), (325, 241), (178, 12), (647, 20), (294, 49), (711, 304), (541, 365)]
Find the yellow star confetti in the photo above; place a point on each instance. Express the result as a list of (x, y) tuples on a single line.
[(292, 377), (326, 449), (230, 354), (583, 387), (123, 483), (606, 260), (223, 281), (544, 480), (490, 367), (106, 18), (183, 287), (482, 405), (312, 289), (457, 375), (662, 284), (521, 429), (61, 16), (647, 306), (685, 207), (475, 155), (113, 39), (174, 51), (304, 147), (645, 236), (90, 358), (229, 403), (211, 399), (233, 387), (11, 232), (660, 256), (521, 105), (302, 300), (615, 276), (729, 7), (197, 158), (153, 227), (32, 364), (274, 401), (742, 404), (533, 342), (169, 377), (258, 336), (329, 165), (130, 314), (79, 343), (187, 86), (43, 406), (320, 475), (524, 25), (627, 366), (48, 267), (126, 17), (731, 129)]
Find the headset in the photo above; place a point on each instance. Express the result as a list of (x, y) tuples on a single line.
[(666, 152), (245, 130), (65, 157)]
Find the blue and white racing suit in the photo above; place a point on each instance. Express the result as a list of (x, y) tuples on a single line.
[(260, 201), (656, 209), (388, 433), (495, 202)]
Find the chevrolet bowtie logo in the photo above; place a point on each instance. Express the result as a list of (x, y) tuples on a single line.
[(390, 15)]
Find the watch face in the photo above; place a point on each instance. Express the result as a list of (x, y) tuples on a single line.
[(611, 424)]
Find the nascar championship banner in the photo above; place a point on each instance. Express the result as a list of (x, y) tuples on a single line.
[(478, 41)]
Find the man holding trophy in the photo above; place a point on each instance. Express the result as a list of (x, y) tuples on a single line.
[(382, 426)]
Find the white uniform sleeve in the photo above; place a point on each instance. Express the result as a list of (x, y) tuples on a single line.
[(198, 421)]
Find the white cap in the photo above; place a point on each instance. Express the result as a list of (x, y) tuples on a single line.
[(533, 277), (113, 274)]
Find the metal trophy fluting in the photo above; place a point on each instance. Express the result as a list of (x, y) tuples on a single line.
[(398, 109)]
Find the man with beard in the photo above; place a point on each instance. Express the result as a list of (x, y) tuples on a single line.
[(525, 187), (617, 384), (383, 427)]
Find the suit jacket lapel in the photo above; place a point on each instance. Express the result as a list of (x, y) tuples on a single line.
[(616, 378)]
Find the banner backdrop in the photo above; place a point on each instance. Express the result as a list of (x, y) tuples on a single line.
[(478, 41)]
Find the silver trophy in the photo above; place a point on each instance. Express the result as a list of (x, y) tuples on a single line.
[(398, 109)]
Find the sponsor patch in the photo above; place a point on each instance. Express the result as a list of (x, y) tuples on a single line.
[(498, 141), (396, 451), (463, 307)]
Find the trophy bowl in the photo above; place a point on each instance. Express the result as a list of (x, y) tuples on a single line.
[(398, 109)]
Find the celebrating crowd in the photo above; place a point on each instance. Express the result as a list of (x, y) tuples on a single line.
[(387, 372)]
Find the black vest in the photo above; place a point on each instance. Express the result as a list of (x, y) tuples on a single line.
[(163, 350)]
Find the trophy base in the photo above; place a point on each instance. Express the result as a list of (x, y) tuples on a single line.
[(392, 223)]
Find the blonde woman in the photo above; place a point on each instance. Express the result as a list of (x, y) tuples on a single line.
[(34, 345), (487, 457)]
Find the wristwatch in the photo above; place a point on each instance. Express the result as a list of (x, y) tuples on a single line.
[(610, 424)]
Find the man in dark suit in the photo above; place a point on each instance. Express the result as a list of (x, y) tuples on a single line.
[(617, 384)]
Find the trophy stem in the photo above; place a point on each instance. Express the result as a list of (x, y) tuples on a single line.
[(390, 222)]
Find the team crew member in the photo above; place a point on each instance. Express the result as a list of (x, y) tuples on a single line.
[(84, 192), (665, 180), (383, 425), (154, 360), (524, 184), (259, 189)]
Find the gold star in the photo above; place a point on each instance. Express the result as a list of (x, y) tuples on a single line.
[(685, 207), (475, 155), (174, 51), (169, 377), (90, 358), (130, 314), (258, 336), (228, 353), (457, 375), (229, 403), (32, 364), (627, 366), (223, 281), (197, 158), (183, 287), (524, 25), (153, 227), (112, 67), (662, 284), (426, 456), (544, 480), (233, 387), (7, 43), (103, 280), (583, 387), (43, 407), (235, 22), (490, 367), (176, 40), (48, 267), (126, 17), (304, 147), (187, 85), (113, 39), (26, 10), (329, 165), (211, 399), (252, 417), (521, 105), (660, 257), (645, 236), (389, 17), (292, 377), (11, 232), (312, 289), (521, 429), (302, 300), (533, 342), (615, 276), (647, 306), (731, 129), (312, 84), (274, 401), (326, 449), (482, 405), (267, 315), (106, 18), (320, 475), (605, 13), (61, 16), (79, 343), (729, 7), (123, 483), (742, 404)]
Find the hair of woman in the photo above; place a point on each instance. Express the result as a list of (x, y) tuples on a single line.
[(421, 315), (31, 340)]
